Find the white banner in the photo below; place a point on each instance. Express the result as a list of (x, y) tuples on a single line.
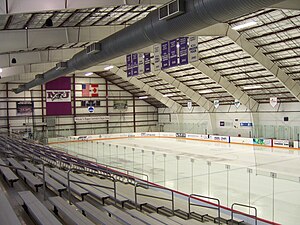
[(91, 118), (273, 101), (193, 48), (190, 105), (237, 103), (141, 63), (157, 56), (281, 143), (216, 103)]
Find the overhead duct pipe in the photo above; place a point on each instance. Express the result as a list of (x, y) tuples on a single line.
[(197, 15)]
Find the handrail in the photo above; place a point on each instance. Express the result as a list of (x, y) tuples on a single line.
[(243, 205), (207, 197), (91, 184), (151, 196)]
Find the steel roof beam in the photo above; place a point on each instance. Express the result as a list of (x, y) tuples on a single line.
[(174, 106), (29, 6), (232, 89), (257, 54), (193, 95), (16, 40)]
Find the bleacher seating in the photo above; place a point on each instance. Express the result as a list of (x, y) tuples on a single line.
[(7, 214), (93, 209), (8, 174), (37, 210)]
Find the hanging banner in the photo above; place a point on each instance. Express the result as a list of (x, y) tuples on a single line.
[(193, 49), (147, 63), (135, 64), (183, 51), (24, 108), (129, 65), (273, 101), (237, 103), (190, 105), (165, 55), (216, 103), (141, 63), (157, 57), (173, 53), (58, 97)]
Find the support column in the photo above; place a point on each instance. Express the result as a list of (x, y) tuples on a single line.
[(134, 121), (7, 110), (74, 104), (42, 105), (106, 99)]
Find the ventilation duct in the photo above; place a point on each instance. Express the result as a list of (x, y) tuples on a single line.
[(198, 15)]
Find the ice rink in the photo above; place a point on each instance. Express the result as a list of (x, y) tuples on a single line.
[(267, 178)]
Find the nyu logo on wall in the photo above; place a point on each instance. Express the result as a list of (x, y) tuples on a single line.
[(58, 96)]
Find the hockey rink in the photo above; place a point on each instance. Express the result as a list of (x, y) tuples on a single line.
[(267, 178)]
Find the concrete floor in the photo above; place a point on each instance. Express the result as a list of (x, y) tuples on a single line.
[(267, 178)]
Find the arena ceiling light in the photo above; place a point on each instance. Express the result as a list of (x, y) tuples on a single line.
[(252, 87), (88, 74), (108, 67), (244, 25), (143, 97), (168, 95), (1, 70)]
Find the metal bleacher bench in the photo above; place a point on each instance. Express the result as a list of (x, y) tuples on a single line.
[(120, 198), (49, 181), (8, 174), (7, 214), (68, 213), (95, 215), (163, 219), (74, 187), (122, 216), (143, 217), (31, 180), (37, 210)]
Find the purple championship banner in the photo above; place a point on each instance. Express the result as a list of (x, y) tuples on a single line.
[(183, 51), (173, 53), (165, 55), (58, 97), (135, 64), (129, 65), (147, 63)]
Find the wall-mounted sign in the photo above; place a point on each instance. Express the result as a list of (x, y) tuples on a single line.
[(91, 109), (24, 108), (246, 124), (91, 119)]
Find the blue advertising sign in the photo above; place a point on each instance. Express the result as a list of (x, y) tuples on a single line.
[(246, 124), (183, 51), (165, 55), (147, 63), (129, 65), (173, 53)]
